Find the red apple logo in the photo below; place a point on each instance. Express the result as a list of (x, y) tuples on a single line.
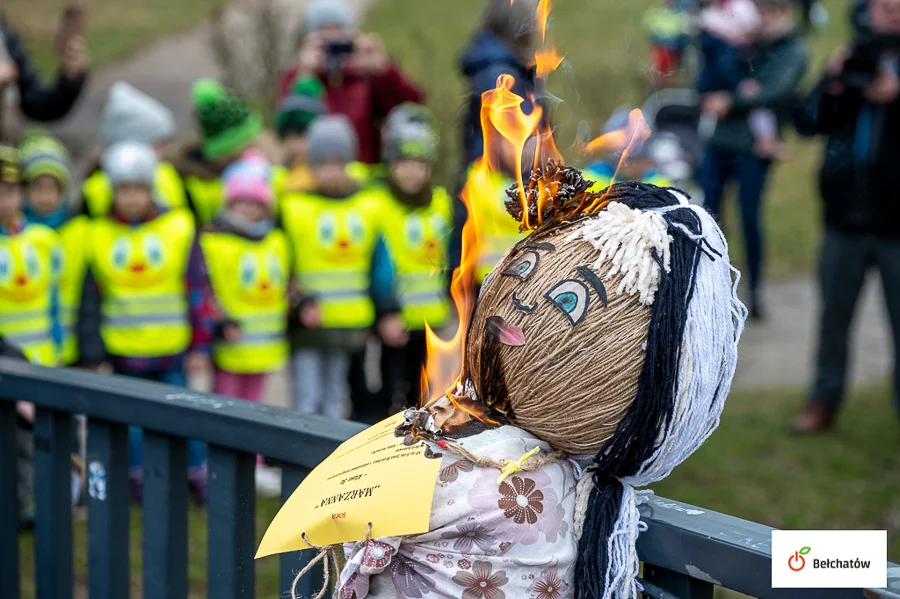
[(797, 562)]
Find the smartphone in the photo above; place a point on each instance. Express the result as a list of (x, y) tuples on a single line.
[(71, 25)]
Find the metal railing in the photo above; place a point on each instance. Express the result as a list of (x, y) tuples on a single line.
[(686, 551)]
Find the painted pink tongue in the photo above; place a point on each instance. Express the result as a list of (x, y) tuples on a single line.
[(505, 333)]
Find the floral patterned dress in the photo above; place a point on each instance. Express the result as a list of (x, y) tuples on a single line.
[(487, 540)]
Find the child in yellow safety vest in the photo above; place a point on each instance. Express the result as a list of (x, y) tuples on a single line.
[(417, 227), (48, 191), (30, 263), (334, 230), (147, 305), (249, 264)]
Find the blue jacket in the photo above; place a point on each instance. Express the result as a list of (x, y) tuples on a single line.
[(483, 61)]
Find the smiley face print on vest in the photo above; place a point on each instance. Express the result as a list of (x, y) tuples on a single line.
[(23, 275), (138, 261), (424, 237), (341, 235), (262, 278)]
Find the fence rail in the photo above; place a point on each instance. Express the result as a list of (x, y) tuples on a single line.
[(687, 551)]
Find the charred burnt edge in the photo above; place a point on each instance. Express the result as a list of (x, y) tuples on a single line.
[(570, 200)]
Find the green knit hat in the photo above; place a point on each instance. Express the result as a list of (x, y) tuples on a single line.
[(297, 111), (40, 154), (227, 122)]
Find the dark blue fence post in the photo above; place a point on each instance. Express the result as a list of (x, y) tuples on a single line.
[(53, 504), (108, 518), (165, 517), (9, 503), (680, 585), (291, 563), (232, 516)]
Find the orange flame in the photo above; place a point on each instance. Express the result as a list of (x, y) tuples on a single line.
[(509, 134), (627, 141)]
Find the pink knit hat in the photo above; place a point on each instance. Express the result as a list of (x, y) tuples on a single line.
[(734, 21), (249, 179)]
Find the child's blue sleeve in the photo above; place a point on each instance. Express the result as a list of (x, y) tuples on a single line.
[(383, 287)]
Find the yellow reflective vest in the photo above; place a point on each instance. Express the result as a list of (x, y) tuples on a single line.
[(75, 242), (333, 242), (30, 263), (250, 281), (98, 192), (141, 273), (497, 231), (207, 197), (417, 240)]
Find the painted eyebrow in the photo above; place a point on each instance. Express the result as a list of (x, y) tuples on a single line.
[(539, 245), (595, 282)]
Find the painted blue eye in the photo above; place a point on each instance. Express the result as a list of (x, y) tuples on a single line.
[(524, 267), (276, 273), (5, 265), (356, 227), (247, 270), (326, 228), (120, 251), (153, 250), (572, 299), (415, 230), (32, 265)]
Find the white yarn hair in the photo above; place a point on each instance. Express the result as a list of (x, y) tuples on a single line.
[(627, 238), (709, 352)]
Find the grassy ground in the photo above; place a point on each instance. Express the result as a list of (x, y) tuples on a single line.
[(750, 468), (606, 68), (116, 28)]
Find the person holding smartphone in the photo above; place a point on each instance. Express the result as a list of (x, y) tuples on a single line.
[(361, 80), (39, 101)]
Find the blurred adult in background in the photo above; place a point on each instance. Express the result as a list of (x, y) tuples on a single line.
[(503, 44), (38, 101), (856, 107), (779, 60), (361, 80)]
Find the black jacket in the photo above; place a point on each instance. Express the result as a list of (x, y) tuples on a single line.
[(38, 101), (860, 189)]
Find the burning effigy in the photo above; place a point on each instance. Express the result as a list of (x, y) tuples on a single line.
[(595, 357)]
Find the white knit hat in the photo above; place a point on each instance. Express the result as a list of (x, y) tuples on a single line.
[(328, 13), (130, 162), (132, 115)]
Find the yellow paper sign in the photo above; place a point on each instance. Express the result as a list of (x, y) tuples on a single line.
[(372, 477)]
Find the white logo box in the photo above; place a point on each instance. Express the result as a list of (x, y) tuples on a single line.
[(846, 559)]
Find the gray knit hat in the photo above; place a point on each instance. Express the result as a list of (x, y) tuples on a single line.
[(331, 137), (410, 132), (132, 115), (328, 13), (130, 162)]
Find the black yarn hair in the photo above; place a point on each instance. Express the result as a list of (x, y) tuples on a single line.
[(635, 439)]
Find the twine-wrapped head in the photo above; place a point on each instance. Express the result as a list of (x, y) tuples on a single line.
[(611, 330)]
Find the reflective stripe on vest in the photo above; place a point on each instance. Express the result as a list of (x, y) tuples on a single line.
[(30, 264), (250, 282), (141, 273), (333, 244)]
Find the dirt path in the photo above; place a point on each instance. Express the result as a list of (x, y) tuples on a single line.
[(780, 352)]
